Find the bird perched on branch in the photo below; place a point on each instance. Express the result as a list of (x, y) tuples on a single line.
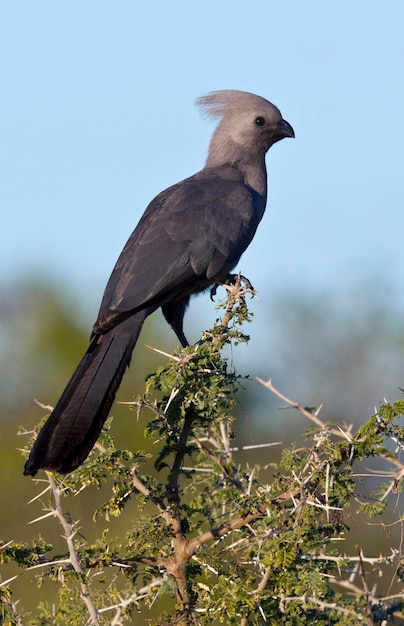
[(189, 238)]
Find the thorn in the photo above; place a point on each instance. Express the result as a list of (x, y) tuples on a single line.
[(9, 580), (170, 356), (38, 519), (39, 495)]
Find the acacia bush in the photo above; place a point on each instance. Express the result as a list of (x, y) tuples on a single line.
[(216, 540)]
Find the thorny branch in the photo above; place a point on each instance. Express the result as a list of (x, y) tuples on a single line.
[(135, 598), (311, 416), (69, 534)]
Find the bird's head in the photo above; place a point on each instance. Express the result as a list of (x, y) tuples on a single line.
[(248, 126)]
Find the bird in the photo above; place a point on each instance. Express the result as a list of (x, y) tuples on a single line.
[(190, 237)]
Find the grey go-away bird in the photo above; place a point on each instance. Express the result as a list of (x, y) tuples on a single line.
[(190, 237)]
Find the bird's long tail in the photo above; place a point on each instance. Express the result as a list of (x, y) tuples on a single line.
[(76, 421)]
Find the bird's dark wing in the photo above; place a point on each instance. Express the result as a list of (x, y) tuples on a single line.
[(190, 236)]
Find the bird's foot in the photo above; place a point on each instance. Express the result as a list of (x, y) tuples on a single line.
[(236, 284)]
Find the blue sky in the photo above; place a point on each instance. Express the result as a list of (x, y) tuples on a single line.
[(97, 117)]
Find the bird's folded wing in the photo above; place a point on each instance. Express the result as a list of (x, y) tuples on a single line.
[(191, 234)]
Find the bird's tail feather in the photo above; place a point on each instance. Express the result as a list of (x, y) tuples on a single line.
[(76, 421)]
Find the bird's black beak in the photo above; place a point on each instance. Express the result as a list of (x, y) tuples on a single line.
[(283, 129)]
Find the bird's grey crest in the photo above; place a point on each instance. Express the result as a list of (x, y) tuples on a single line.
[(218, 103)]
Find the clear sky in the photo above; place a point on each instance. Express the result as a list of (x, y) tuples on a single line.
[(97, 117)]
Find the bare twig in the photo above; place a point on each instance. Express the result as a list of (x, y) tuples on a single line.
[(69, 534), (45, 407), (313, 417), (305, 599), (221, 531), (366, 590), (134, 598)]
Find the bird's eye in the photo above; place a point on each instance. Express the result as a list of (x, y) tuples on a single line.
[(260, 121)]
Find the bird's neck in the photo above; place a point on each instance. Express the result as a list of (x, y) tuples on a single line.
[(224, 151), (255, 176), (253, 173)]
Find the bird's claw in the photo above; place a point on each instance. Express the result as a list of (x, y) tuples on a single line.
[(213, 291)]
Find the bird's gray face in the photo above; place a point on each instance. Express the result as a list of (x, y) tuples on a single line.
[(257, 130)]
